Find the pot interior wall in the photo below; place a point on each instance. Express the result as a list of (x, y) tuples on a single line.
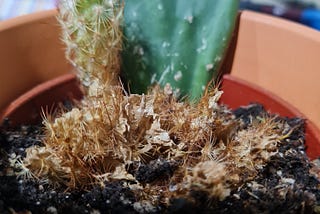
[(238, 92), (31, 52), (282, 57)]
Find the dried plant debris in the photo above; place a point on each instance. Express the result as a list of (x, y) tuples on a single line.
[(153, 153)]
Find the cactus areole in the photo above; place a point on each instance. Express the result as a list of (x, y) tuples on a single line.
[(177, 42)]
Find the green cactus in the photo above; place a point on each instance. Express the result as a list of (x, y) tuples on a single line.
[(178, 42), (93, 36)]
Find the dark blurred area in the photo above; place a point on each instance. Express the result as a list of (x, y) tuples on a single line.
[(306, 12)]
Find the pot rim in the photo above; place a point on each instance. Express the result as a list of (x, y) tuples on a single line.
[(69, 81), (261, 95), (25, 19), (38, 99)]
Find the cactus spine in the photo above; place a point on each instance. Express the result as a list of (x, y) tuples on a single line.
[(93, 37)]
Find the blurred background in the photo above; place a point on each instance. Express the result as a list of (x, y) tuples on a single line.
[(12, 8), (306, 12)]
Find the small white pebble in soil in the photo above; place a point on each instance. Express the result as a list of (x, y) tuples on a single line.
[(52, 210), (144, 207), (279, 173), (288, 180), (95, 212), (38, 203), (237, 196), (107, 201), (41, 187)]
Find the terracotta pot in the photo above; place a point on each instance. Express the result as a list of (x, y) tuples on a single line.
[(26, 64), (237, 92), (280, 56), (31, 53), (43, 98)]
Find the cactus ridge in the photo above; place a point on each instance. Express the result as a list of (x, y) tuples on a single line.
[(178, 42)]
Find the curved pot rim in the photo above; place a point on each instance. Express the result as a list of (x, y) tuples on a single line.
[(232, 86), (272, 103), (25, 19), (27, 107)]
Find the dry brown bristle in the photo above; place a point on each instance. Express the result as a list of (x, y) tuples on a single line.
[(95, 142)]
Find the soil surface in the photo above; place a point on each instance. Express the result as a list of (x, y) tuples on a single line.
[(284, 185)]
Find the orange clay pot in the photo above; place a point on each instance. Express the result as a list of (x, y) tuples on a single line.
[(238, 92), (42, 99), (30, 53), (281, 56)]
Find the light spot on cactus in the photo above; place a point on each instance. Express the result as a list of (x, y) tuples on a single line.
[(141, 51), (160, 7), (134, 14), (178, 76), (189, 19), (217, 59), (177, 92), (138, 50), (203, 87), (153, 78), (164, 73), (209, 66), (203, 45), (172, 66), (165, 44), (173, 54), (184, 65), (224, 39), (180, 32)]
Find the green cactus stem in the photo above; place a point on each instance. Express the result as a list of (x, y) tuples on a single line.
[(178, 42), (93, 37)]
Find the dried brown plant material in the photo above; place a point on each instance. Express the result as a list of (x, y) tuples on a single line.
[(208, 176), (252, 147), (98, 141)]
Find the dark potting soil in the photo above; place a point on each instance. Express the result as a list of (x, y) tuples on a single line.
[(284, 185)]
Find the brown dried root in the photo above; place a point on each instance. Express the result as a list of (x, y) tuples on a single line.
[(97, 141)]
